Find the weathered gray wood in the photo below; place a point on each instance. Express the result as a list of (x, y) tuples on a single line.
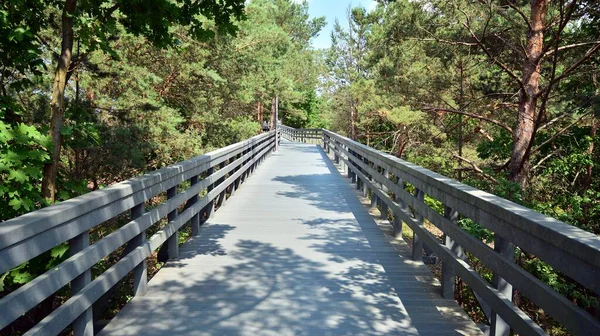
[(93, 211), (448, 276), (567, 248), (195, 221), (553, 303), (291, 253), (499, 327), (173, 241), (28, 225), (140, 272), (417, 244), (61, 317), (518, 320), (31, 294), (84, 324)]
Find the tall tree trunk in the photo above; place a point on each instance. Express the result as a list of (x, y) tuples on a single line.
[(259, 112), (273, 114), (57, 105), (353, 119), (587, 180), (524, 131)]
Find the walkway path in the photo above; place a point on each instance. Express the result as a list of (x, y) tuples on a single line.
[(293, 252)]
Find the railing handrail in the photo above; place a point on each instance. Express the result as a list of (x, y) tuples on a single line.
[(212, 176), (571, 250), (30, 224)]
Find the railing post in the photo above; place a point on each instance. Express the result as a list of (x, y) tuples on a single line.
[(498, 327), (84, 324), (140, 272), (384, 207), (221, 198), (351, 173), (173, 240), (417, 249), (448, 274), (374, 200), (195, 221)]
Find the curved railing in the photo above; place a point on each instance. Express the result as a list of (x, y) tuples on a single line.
[(193, 189), (570, 250)]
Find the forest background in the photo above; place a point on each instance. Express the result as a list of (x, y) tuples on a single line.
[(501, 95)]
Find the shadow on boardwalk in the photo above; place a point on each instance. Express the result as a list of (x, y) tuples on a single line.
[(297, 273)]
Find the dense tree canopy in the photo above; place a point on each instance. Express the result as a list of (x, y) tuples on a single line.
[(502, 95)]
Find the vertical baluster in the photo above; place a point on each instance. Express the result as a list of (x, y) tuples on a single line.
[(221, 198), (359, 182), (140, 272), (84, 324), (498, 327), (448, 274), (211, 205), (173, 240), (397, 222), (195, 220), (351, 173), (417, 250), (384, 206)]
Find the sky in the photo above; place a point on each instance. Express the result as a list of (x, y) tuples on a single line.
[(332, 9)]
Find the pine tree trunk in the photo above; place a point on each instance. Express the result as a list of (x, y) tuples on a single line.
[(525, 129), (57, 105)]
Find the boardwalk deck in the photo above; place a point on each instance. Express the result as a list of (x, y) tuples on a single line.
[(293, 252)]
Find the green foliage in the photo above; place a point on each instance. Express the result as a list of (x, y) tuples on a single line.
[(23, 152)]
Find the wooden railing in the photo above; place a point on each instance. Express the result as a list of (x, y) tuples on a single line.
[(399, 188), (194, 188), (305, 135)]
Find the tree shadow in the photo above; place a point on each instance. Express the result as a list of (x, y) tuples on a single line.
[(331, 274)]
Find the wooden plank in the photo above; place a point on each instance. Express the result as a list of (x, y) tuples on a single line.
[(292, 252), (22, 251), (574, 318), (23, 227), (567, 248), (29, 295), (514, 316), (61, 317)]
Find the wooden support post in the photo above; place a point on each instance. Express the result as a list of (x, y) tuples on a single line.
[(210, 208), (417, 248), (384, 210), (84, 324), (448, 274), (276, 123), (140, 272), (498, 327), (384, 207), (195, 221), (221, 198), (173, 241), (374, 200)]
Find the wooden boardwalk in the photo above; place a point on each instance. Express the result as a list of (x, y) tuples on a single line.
[(293, 252)]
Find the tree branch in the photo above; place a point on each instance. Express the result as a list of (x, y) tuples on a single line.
[(570, 69), (520, 12), (570, 46), (504, 67), (475, 168), (490, 120), (557, 134)]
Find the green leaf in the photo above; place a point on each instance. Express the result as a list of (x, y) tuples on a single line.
[(2, 278), (17, 175), (15, 203), (21, 277), (59, 251)]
